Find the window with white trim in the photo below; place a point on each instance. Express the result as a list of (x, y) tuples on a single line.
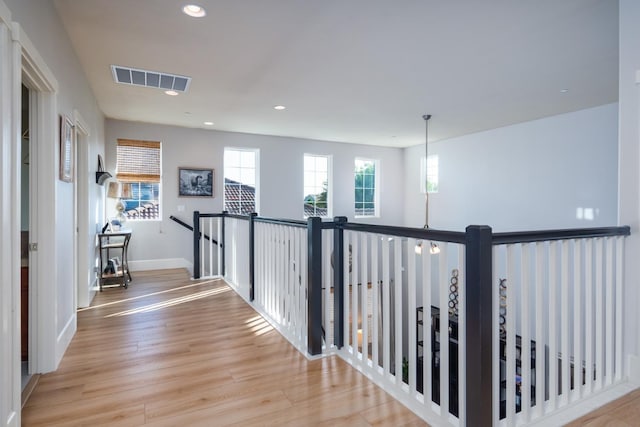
[(317, 195), (241, 181), (139, 163), (366, 188), (429, 174)]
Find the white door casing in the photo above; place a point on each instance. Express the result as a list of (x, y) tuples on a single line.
[(10, 151)]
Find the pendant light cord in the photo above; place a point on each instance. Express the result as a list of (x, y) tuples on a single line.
[(426, 118)]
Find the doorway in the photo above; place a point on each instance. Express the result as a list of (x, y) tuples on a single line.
[(25, 196)]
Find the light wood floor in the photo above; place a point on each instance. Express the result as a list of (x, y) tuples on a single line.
[(172, 352), (624, 412)]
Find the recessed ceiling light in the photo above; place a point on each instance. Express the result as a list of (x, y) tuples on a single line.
[(171, 92), (194, 10), (208, 123), (564, 90), (279, 107)]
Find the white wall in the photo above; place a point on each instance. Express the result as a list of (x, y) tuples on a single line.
[(41, 24), (280, 182), (533, 175), (629, 185)]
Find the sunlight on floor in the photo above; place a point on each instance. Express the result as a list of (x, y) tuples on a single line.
[(171, 302), (258, 325), (151, 294)]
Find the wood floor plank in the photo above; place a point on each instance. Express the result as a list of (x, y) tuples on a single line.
[(171, 351)]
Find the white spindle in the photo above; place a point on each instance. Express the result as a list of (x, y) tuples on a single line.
[(386, 309), (355, 294), (397, 286), (589, 317), (443, 289), (365, 298), (525, 354), (411, 303), (619, 305), (495, 341), (202, 254), (541, 308), (303, 289), (426, 325), (599, 299), (553, 322), (327, 275), (578, 326), (347, 291), (219, 247), (610, 307), (564, 318), (375, 288), (510, 327), (282, 266), (210, 245), (462, 338)]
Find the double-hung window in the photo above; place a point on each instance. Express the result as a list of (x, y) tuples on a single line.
[(139, 164), (240, 181), (317, 194), (366, 188)]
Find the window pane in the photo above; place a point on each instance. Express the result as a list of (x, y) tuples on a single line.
[(248, 159), (144, 202), (231, 159), (364, 186), (316, 186), (240, 181)]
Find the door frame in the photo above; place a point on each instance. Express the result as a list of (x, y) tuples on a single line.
[(84, 273), (43, 133)]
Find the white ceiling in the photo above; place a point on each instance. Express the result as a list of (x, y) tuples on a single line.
[(359, 71)]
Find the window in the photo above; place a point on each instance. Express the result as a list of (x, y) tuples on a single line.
[(139, 163), (429, 174), (240, 181), (366, 188), (317, 200)]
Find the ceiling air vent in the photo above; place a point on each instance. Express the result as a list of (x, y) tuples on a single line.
[(158, 80)]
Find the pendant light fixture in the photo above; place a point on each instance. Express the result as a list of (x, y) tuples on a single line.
[(433, 248)]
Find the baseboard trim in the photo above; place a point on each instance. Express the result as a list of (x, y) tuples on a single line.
[(584, 406), (65, 337), (28, 389), (160, 264), (633, 367)]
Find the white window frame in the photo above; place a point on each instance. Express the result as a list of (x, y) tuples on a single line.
[(376, 197), (433, 178), (329, 182), (256, 153), (133, 182)]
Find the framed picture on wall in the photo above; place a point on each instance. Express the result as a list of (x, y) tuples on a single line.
[(66, 149), (195, 182)]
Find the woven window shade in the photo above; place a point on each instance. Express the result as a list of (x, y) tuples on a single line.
[(138, 161)]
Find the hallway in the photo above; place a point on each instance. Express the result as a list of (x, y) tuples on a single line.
[(171, 351)]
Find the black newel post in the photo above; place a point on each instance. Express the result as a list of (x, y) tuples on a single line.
[(314, 285), (196, 244), (478, 303), (252, 255), (222, 244), (338, 281)]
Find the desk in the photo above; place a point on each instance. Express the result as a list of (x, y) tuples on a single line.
[(115, 272)]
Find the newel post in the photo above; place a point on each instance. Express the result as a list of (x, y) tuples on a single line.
[(314, 285), (196, 244), (338, 281), (252, 246), (479, 326)]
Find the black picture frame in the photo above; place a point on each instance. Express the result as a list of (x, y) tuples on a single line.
[(195, 182)]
